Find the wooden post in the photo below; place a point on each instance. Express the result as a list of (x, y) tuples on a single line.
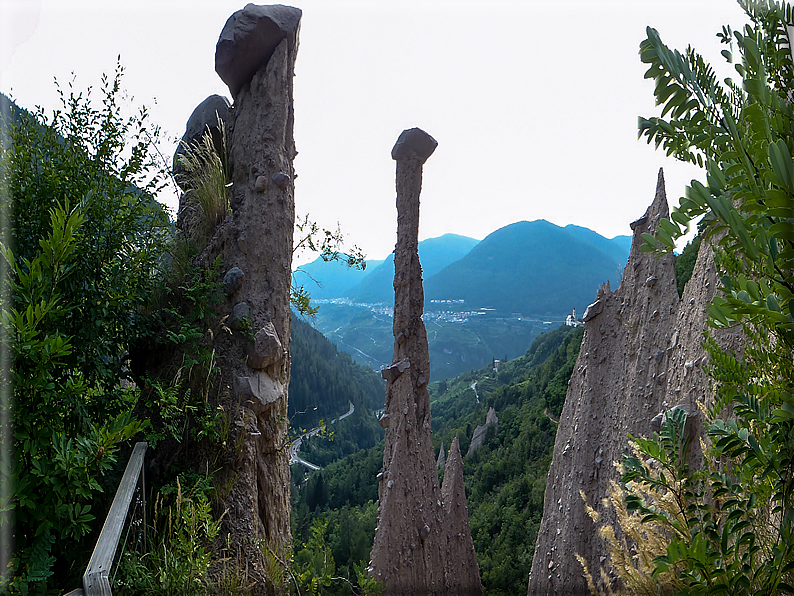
[(95, 579)]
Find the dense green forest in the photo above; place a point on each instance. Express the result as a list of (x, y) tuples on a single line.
[(685, 263), (505, 479), (325, 380)]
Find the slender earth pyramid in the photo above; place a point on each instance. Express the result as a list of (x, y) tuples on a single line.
[(423, 543)]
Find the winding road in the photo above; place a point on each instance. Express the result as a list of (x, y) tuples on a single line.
[(474, 387), (295, 446)]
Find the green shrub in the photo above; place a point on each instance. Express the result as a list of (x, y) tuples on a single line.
[(82, 258), (180, 549)]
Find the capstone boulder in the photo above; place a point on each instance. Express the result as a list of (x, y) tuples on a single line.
[(250, 38)]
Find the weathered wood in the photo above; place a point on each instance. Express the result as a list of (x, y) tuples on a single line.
[(77, 592), (96, 580)]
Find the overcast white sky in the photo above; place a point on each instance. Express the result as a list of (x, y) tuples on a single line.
[(534, 103)]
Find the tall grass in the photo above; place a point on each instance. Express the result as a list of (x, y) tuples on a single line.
[(176, 564), (206, 176)]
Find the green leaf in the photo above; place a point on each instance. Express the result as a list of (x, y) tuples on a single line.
[(785, 412), (783, 230), (780, 158)]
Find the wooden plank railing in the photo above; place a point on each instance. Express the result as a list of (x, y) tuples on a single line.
[(96, 579)]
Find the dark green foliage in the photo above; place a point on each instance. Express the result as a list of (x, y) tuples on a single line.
[(345, 535), (505, 479), (325, 378), (84, 252), (97, 302), (323, 384), (685, 263), (341, 500), (358, 431)]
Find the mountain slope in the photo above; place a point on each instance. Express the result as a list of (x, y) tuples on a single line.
[(617, 248), (434, 254), (624, 242), (324, 381), (331, 279), (505, 478), (532, 268)]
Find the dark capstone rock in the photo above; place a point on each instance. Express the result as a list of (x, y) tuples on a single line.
[(240, 313), (390, 373), (249, 39), (414, 143), (265, 349), (592, 311), (280, 179), (233, 280), (204, 117)]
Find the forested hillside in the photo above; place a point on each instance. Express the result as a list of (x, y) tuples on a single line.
[(505, 478), (325, 380)]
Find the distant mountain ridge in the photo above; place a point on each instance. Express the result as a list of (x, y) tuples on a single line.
[(532, 268), (434, 253), (375, 283), (331, 279), (530, 275)]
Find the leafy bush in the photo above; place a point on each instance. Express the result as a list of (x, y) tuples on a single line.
[(181, 538), (85, 246)]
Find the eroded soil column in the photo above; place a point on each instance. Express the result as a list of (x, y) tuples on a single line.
[(413, 552)]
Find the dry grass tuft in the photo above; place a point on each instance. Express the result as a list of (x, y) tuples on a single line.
[(207, 178), (632, 564)]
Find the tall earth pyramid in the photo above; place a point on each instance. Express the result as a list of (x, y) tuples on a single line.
[(255, 57), (641, 354), (423, 542)]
